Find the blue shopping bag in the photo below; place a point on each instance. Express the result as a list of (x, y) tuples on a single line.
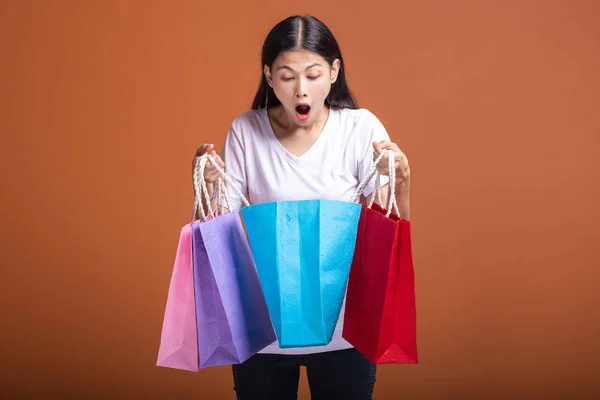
[(303, 251)]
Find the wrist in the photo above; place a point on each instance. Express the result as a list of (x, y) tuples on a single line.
[(402, 186)]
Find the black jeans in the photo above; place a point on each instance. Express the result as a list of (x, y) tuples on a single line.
[(342, 374)]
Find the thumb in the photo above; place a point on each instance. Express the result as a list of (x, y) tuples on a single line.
[(378, 148)]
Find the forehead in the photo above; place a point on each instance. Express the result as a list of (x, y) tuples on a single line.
[(299, 59)]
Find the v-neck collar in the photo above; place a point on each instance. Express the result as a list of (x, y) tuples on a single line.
[(282, 150)]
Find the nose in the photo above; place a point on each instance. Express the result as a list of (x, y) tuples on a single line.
[(301, 89)]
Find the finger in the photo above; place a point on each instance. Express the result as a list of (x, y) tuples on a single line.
[(405, 173), (399, 162), (212, 154), (212, 175), (383, 163), (219, 161), (216, 159), (377, 147), (384, 144), (210, 167), (403, 161), (205, 148)]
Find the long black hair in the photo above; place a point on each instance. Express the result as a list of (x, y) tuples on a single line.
[(303, 33)]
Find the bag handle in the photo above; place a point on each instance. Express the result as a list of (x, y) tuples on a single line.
[(392, 204), (220, 192)]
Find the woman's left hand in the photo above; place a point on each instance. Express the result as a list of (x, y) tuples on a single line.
[(400, 161)]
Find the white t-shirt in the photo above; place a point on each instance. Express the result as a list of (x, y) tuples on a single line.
[(331, 169)]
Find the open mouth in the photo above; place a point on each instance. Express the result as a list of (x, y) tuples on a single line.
[(303, 111)]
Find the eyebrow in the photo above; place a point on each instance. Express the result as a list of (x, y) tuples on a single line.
[(291, 69)]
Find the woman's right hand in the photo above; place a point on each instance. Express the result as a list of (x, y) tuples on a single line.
[(210, 172)]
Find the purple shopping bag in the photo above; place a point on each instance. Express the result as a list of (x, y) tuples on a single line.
[(178, 342), (231, 312)]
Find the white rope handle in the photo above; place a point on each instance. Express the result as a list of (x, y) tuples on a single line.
[(225, 195), (376, 192), (228, 180), (392, 204), (220, 196), (200, 189), (220, 190), (370, 174)]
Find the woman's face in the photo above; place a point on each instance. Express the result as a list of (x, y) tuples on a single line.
[(302, 80)]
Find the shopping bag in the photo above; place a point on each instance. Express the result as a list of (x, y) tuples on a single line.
[(303, 252), (380, 314), (232, 316), (178, 342)]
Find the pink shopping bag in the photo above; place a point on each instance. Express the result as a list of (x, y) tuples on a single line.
[(179, 340)]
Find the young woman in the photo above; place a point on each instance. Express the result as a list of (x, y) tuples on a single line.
[(305, 138)]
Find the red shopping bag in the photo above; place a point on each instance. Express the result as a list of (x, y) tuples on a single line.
[(380, 315)]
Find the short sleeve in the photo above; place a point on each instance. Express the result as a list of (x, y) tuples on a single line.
[(232, 155), (376, 132)]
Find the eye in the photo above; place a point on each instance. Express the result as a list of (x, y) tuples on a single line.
[(287, 78), (312, 78)]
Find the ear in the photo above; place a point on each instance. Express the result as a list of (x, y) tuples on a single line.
[(335, 69), (267, 72)]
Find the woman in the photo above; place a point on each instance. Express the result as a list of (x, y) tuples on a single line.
[(305, 138)]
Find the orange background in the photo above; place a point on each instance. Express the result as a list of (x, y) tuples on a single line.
[(496, 104)]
